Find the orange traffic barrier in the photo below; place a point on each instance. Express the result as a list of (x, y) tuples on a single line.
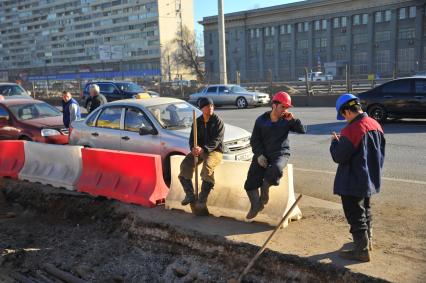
[(12, 158), (128, 177)]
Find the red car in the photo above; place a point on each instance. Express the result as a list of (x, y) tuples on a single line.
[(32, 120)]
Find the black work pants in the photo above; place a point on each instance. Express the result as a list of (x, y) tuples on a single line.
[(271, 174), (358, 213)]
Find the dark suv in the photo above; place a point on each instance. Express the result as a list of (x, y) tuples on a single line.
[(400, 98), (112, 90)]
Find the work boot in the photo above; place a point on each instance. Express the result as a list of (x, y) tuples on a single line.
[(201, 205), (264, 192), (189, 191), (256, 205), (370, 237), (360, 252)]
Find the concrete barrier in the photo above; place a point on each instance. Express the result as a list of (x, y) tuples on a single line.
[(12, 157), (49, 164), (229, 198)]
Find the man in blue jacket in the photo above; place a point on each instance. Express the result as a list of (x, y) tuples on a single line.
[(70, 109), (360, 151), (271, 149)]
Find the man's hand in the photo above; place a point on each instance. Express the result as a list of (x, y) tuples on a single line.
[(262, 161), (335, 136), (288, 116), (197, 151)]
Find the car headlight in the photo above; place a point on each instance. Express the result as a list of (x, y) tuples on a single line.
[(255, 97), (49, 132)]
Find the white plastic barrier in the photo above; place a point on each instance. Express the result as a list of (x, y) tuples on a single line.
[(49, 164), (229, 199)]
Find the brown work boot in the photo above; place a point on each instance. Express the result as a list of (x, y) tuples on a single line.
[(201, 204), (264, 193), (360, 252), (189, 191), (256, 205)]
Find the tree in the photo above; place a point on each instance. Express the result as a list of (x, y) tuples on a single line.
[(188, 52)]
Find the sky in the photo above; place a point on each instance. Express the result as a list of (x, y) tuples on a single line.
[(205, 8)]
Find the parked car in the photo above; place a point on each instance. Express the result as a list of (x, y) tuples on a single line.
[(13, 91), (112, 90), (230, 95), (156, 125), (316, 77), (32, 120), (400, 98)]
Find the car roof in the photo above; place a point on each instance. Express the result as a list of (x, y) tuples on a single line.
[(105, 81), (8, 84), (230, 85), (12, 101), (147, 102)]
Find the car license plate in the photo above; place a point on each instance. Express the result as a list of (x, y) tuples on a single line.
[(244, 156)]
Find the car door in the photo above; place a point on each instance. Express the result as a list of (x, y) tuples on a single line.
[(420, 97), (110, 91), (222, 92), (212, 93), (135, 140), (106, 132), (395, 96)]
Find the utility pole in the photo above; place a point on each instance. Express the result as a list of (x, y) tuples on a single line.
[(222, 51)]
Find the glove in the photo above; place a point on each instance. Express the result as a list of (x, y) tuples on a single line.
[(262, 161)]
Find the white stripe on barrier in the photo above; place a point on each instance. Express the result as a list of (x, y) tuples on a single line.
[(49, 164), (229, 199)]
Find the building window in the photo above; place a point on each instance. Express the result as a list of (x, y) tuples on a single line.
[(360, 63), (364, 19), (339, 41), (378, 17), (257, 32), (288, 29), (303, 43), (336, 23), (387, 16), (272, 31), (282, 29), (382, 61), (402, 14), (210, 38), (324, 24), (269, 49), (356, 19), (285, 45), (406, 33), (300, 27), (252, 33), (267, 31), (320, 42), (306, 26), (360, 38), (380, 36), (412, 12), (343, 22), (317, 25), (406, 60)]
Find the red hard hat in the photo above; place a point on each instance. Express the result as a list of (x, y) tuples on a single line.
[(283, 98)]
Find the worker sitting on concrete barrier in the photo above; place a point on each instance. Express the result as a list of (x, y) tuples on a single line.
[(210, 132), (271, 150), (359, 150)]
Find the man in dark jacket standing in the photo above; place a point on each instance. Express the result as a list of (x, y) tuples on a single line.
[(360, 151), (96, 98), (70, 109), (271, 149), (210, 132)]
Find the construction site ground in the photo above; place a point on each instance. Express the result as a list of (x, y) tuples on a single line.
[(100, 240)]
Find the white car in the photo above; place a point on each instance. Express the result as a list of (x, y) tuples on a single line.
[(230, 95), (159, 125)]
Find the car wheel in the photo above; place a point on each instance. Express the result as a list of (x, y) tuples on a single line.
[(25, 138), (378, 113), (241, 103)]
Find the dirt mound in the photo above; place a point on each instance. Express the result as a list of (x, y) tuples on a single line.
[(90, 239)]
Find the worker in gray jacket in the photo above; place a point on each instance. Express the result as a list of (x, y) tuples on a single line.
[(271, 150)]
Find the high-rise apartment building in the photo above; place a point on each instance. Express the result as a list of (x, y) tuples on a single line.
[(89, 38)]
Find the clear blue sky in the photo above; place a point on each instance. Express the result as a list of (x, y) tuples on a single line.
[(205, 8)]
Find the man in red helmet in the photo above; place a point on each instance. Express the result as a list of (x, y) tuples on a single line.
[(271, 150)]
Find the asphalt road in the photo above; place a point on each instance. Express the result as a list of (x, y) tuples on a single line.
[(405, 164)]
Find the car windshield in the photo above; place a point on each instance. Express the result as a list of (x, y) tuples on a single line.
[(130, 87), (238, 89), (8, 90), (33, 111), (174, 116)]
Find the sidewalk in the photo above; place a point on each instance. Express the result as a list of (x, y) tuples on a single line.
[(317, 237)]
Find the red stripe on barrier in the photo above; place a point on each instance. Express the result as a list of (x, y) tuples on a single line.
[(12, 158), (129, 177)]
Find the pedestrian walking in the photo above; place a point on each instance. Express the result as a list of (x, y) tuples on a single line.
[(271, 148), (96, 98), (359, 151), (70, 109), (209, 150)]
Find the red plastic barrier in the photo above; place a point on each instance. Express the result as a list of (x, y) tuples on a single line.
[(129, 177), (12, 158)]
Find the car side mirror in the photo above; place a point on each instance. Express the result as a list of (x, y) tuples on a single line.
[(147, 131)]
